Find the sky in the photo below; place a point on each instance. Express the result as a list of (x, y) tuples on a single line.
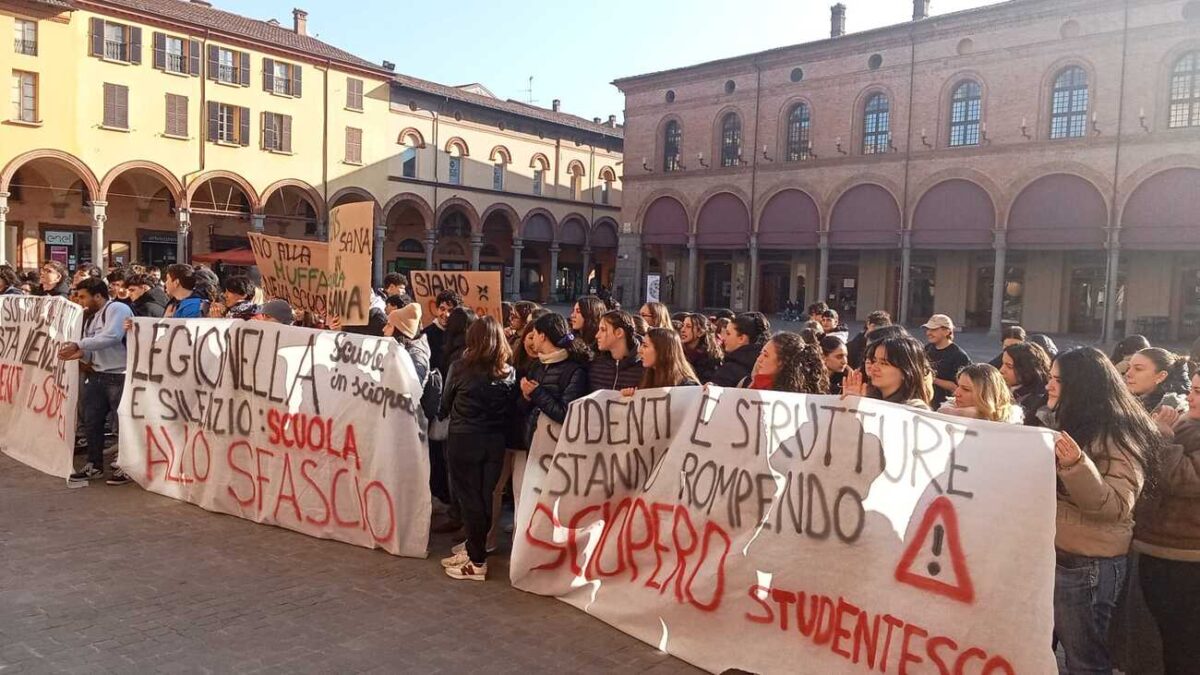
[(573, 49)]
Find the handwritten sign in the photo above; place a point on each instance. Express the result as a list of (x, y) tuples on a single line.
[(351, 229), (39, 394), (294, 270), (480, 291), (315, 431), (779, 533)]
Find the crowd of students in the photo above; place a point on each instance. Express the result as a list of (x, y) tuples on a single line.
[(1128, 424)]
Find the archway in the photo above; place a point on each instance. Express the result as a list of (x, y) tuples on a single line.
[(537, 233), (790, 223), (497, 250), (603, 242), (143, 218), (405, 223), (864, 234), (722, 235), (222, 206), (952, 266), (293, 211), (50, 212), (665, 229), (574, 263)]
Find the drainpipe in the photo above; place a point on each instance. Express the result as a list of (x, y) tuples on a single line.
[(906, 228), (1109, 329), (752, 292), (592, 216), (431, 229), (323, 225), (183, 233)]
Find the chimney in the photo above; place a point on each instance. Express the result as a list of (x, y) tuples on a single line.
[(612, 121), (837, 20), (388, 65), (300, 21), (595, 120), (920, 9), (202, 3), (556, 105), (270, 22)]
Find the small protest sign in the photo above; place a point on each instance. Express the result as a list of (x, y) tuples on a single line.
[(480, 291), (351, 241), (294, 270)]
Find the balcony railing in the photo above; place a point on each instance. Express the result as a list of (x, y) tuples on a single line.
[(226, 73), (176, 63), (115, 50), (27, 47)]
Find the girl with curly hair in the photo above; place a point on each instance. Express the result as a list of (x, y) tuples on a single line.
[(788, 363)]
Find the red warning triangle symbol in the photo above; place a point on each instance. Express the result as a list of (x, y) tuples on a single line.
[(936, 537)]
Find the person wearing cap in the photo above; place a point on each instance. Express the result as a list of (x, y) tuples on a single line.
[(276, 311), (946, 357)]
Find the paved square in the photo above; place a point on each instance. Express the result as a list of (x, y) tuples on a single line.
[(115, 579)]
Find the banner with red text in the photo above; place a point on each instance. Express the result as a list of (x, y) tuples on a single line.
[(316, 431), (39, 393), (777, 533)]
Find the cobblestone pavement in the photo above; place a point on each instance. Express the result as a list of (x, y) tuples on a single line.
[(115, 579)]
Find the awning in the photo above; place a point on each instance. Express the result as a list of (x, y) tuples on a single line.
[(242, 257)]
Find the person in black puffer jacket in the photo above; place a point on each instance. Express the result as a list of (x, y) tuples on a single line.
[(617, 366), (54, 280), (148, 299), (559, 377), (1025, 368), (744, 338), (478, 400), (700, 346)]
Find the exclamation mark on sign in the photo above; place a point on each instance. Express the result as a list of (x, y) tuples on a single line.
[(939, 534)]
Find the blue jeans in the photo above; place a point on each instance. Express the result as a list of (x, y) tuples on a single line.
[(101, 396), (1085, 594)]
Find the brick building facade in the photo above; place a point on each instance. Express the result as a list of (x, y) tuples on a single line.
[(1052, 143)]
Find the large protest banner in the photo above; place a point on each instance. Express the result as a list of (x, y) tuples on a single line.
[(480, 291), (294, 270), (779, 533), (39, 393), (315, 431), (351, 239)]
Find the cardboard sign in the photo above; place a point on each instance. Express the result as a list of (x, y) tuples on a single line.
[(293, 270), (480, 291), (39, 393), (351, 242), (777, 533), (315, 431)]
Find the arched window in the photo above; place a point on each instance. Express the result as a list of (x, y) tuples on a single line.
[(411, 246), (540, 165), (965, 111), (607, 178), (731, 140), (1069, 104), (672, 139), (576, 171), (408, 158), (1185, 92), (877, 130), (798, 144)]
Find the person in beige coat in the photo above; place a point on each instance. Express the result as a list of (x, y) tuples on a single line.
[(1107, 448)]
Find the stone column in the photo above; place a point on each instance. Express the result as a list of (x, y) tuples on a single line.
[(430, 244), (999, 279), (99, 216), (181, 236), (823, 273), (1108, 331), (258, 222), (752, 295), (587, 267), (517, 247), (693, 275), (378, 254), (552, 293), (476, 248), (323, 230), (905, 274), (4, 252), (627, 277)]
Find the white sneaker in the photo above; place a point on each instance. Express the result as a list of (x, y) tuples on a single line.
[(460, 547), (456, 560), (469, 571)]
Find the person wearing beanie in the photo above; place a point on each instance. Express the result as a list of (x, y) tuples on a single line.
[(276, 311)]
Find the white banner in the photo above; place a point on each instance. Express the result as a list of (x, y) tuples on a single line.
[(315, 431), (802, 534), (39, 394)]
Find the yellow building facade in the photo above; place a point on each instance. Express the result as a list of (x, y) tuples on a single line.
[(160, 130)]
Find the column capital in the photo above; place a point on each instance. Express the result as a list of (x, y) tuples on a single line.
[(98, 205), (518, 244), (754, 241), (587, 249), (4, 196), (905, 238), (476, 239), (999, 239), (555, 248), (691, 240), (1113, 241), (823, 239)]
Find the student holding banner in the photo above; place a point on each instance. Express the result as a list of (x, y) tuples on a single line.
[(478, 401), (663, 362), (103, 348), (743, 339), (1108, 447), (897, 371)]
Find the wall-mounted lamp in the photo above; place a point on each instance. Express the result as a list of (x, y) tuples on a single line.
[(1025, 129), (983, 137), (925, 140), (1095, 127), (700, 158), (646, 166), (1142, 120), (765, 155), (838, 141), (679, 163)]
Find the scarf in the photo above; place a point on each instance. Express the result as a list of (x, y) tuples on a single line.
[(242, 309), (556, 356), (764, 382)]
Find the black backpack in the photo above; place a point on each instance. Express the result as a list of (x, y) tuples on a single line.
[(431, 397)]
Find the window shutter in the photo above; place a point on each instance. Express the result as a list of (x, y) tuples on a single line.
[(96, 47), (122, 106), (214, 62), (135, 44), (110, 113), (285, 131), (181, 115), (193, 58), (244, 126), (214, 121), (245, 63), (264, 122), (160, 51), (169, 129), (296, 81), (268, 75)]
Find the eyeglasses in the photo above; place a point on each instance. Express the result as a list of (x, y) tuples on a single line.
[(646, 315)]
